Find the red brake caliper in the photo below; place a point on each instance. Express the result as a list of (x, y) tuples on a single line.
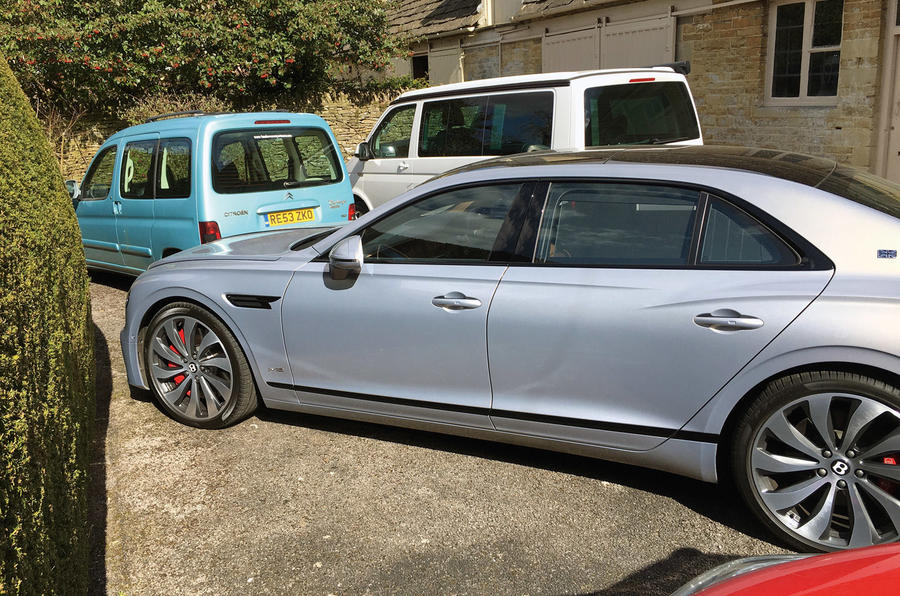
[(178, 378)]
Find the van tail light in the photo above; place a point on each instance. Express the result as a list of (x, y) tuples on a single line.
[(351, 212), (647, 80), (209, 232)]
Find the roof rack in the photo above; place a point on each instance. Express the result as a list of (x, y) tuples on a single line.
[(681, 67), (177, 115)]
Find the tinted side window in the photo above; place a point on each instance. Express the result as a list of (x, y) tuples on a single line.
[(452, 127), (99, 179), (137, 170), (731, 237), (638, 113), (173, 175), (518, 122), (617, 224), (393, 134), (459, 225)]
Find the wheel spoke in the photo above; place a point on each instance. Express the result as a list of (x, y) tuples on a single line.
[(163, 350), (891, 472), (867, 411), (220, 362), (763, 460), (188, 327), (891, 505), (785, 432), (820, 522), (175, 395), (212, 402), (175, 338), (223, 388), (193, 409), (163, 373), (820, 415), (208, 341), (778, 500), (889, 444), (864, 532)]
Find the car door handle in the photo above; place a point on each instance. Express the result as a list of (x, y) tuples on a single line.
[(117, 207), (402, 166), (726, 319), (455, 301)]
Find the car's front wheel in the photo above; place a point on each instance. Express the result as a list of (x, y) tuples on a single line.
[(817, 456), (196, 369)]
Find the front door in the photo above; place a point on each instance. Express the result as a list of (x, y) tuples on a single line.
[(389, 173), (415, 317), (135, 198), (96, 211), (627, 322)]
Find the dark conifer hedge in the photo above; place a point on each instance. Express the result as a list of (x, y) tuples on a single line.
[(46, 364)]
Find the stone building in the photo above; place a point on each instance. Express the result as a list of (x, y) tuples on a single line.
[(814, 76)]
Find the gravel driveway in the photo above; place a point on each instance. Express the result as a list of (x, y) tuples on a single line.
[(287, 503)]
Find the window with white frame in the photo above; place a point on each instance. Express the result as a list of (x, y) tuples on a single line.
[(804, 51)]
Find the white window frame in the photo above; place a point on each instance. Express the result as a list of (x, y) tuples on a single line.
[(803, 99)]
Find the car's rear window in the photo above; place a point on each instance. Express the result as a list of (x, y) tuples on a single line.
[(273, 159), (638, 113), (864, 188)]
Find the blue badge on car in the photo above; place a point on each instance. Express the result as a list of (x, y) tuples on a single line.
[(887, 254)]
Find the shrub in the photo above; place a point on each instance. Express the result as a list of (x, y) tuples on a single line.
[(46, 364)]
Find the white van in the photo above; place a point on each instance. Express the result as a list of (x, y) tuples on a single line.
[(429, 131)]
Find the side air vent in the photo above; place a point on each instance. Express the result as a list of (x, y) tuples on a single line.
[(251, 301)]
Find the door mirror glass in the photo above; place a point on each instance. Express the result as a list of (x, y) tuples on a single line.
[(363, 152), (346, 257), (72, 188)]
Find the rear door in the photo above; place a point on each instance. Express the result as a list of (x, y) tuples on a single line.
[(134, 200), (175, 208), (628, 321)]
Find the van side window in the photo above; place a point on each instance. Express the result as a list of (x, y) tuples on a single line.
[(489, 125), (137, 170), (638, 113), (173, 174), (393, 134), (99, 179), (612, 224)]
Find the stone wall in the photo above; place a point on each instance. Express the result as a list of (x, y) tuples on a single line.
[(727, 49), (351, 119)]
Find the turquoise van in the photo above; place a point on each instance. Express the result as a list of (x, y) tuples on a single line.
[(183, 179)]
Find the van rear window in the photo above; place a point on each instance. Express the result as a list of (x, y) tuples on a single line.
[(273, 159), (638, 113)]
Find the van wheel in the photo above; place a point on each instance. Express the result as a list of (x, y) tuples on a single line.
[(816, 457), (196, 369)]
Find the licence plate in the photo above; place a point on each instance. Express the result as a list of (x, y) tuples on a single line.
[(283, 218)]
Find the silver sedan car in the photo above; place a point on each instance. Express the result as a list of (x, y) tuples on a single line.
[(712, 312)]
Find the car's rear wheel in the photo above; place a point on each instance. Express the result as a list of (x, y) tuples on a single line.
[(196, 369), (817, 456)]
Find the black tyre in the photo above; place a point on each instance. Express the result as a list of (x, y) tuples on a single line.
[(196, 369), (817, 457)]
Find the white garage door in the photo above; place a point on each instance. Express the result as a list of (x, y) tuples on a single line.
[(445, 66), (638, 43), (576, 50)]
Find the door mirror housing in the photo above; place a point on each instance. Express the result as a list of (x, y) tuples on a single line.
[(363, 152), (346, 257)]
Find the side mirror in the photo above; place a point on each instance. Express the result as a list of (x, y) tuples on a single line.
[(363, 152), (346, 257), (73, 188)]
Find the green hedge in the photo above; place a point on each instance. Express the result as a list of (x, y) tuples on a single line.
[(46, 364)]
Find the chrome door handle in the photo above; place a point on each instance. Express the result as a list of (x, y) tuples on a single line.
[(455, 301), (725, 319), (402, 166), (117, 207)]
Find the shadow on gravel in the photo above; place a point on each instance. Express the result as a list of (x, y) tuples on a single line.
[(666, 576), (119, 281), (97, 508), (718, 502)]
